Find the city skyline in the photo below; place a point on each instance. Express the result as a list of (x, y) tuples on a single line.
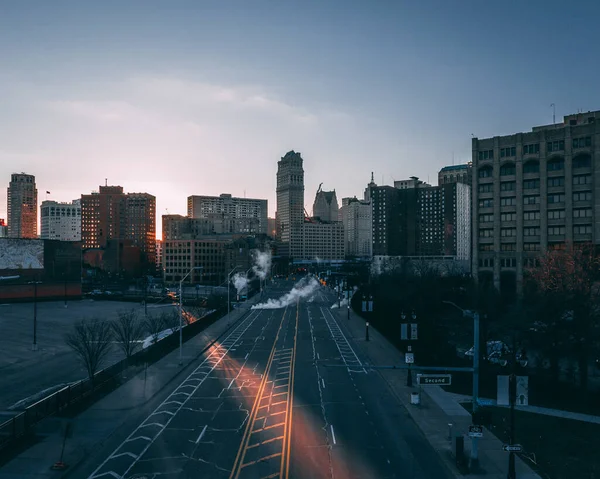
[(200, 101)]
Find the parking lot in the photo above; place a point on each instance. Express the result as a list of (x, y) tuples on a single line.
[(24, 372)]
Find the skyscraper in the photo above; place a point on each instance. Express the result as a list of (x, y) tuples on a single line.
[(326, 206), (290, 204), (22, 206), (61, 221), (140, 224)]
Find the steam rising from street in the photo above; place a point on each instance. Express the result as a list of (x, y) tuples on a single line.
[(302, 290), (262, 263), (240, 282)]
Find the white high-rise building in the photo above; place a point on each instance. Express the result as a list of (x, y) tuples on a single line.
[(356, 217), (61, 221), (230, 207)]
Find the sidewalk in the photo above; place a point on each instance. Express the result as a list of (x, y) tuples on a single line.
[(104, 420), (439, 412)]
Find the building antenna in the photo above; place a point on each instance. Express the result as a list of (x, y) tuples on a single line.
[(105, 181), (553, 113)]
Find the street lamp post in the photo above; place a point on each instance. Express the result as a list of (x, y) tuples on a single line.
[(181, 312), (475, 315), (34, 283), (228, 290)]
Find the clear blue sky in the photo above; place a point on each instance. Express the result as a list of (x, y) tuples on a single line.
[(203, 97)]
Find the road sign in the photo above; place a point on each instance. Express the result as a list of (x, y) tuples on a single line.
[(404, 331), (512, 447), (475, 431), (434, 379), (413, 331), (522, 398), (409, 358)]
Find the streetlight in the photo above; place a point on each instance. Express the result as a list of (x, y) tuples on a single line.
[(35, 283), (409, 381), (475, 315), (181, 312)]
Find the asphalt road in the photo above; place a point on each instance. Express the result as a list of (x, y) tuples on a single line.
[(284, 395)]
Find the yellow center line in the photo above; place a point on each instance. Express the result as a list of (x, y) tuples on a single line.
[(235, 471), (285, 472)]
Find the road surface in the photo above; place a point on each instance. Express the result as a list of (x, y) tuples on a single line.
[(283, 395)]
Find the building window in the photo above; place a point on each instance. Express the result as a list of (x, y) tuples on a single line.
[(535, 231), (531, 215), (508, 186), (508, 232), (556, 198), (486, 233), (582, 196), (487, 203), (531, 184), (531, 167), (582, 179), (486, 263), (558, 181), (584, 142), (487, 188), (486, 155), (508, 152), (531, 263), (556, 246), (508, 201), (508, 262), (582, 162), (488, 218), (486, 247), (556, 214), (531, 200), (556, 230), (556, 165), (531, 149), (531, 246), (508, 247), (555, 146), (582, 213), (508, 217), (485, 172), (582, 229)]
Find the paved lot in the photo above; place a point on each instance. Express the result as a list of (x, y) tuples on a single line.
[(283, 395), (24, 372)]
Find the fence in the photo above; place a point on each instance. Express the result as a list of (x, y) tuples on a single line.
[(22, 424)]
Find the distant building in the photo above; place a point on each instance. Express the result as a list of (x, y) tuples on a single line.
[(110, 214), (230, 207), (184, 227), (323, 241), (456, 174), (412, 182), (61, 221), (290, 204), (22, 206), (356, 218), (533, 192), (272, 227), (159, 256), (325, 206), (3, 229)]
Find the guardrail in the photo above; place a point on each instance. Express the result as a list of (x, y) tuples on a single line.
[(22, 424)]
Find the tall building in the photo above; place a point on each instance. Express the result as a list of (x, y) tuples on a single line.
[(424, 221), (272, 227), (456, 174), (229, 206), (290, 204), (22, 206), (159, 257), (325, 206), (356, 218), (110, 214), (61, 221), (140, 224), (183, 227), (3, 229), (532, 192)]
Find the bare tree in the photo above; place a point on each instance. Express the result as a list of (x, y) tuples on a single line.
[(154, 324), (91, 340), (128, 330), (171, 319)]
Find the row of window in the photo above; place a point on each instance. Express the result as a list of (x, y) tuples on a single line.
[(535, 231), (506, 152), (535, 199), (532, 149), (534, 167)]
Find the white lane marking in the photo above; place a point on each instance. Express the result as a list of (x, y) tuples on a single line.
[(201, 434), (332, 433), (318, 357), (247, 354), (216, 357), (323, 383), (348, 354), (229, 387)]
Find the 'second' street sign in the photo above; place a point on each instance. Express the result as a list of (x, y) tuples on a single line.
[(475, 431), (409, 358), (512, 447), (434, 379)]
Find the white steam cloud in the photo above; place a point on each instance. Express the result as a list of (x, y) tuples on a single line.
[(302, 290), (240, 282), (262, 263), (343, 302)]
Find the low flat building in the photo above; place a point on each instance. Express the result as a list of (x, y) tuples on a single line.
[(323, 241)]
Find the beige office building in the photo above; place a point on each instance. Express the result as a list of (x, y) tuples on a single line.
[(532, 192)]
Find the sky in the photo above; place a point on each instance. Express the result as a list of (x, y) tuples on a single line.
[(203, 97)]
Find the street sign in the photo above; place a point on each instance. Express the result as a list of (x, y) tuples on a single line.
[(364, 306), (413, 331), (370, 303), (502, 398), (403, 331), (434, 379), (512, 447), (522, 398), (409, 358), (475, 431)]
